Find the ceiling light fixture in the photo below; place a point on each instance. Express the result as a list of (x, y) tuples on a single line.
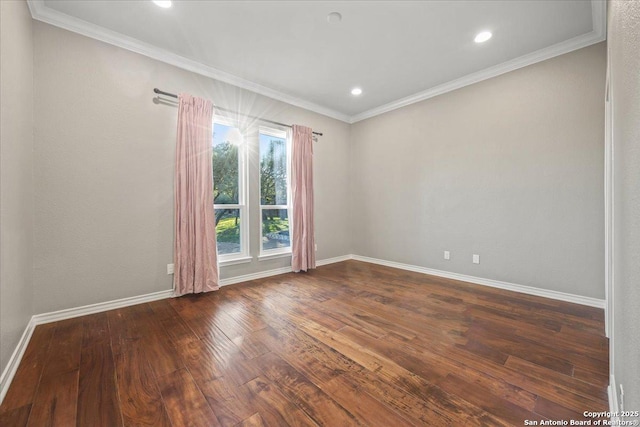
[(165, 4), (483, 37), (356, 91)]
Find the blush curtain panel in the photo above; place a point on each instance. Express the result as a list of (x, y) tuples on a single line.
[(195, 253), (303, 255)]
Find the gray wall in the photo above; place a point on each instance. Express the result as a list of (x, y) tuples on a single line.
[(104, 175), (16, 174), (624, 51), (510, 168)]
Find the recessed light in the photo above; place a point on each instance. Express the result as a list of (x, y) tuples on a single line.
[(334, 17), (163, 3), (483, 37), (356, 91)]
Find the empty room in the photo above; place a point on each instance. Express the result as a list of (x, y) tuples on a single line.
[(319, 213)]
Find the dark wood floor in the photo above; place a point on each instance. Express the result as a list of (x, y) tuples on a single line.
[(348, 344)]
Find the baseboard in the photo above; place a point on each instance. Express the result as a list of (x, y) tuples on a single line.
[(14, 361), (275, 272), (70, 313), (612, 394), (254, 276), (561, 296), (333, 260)]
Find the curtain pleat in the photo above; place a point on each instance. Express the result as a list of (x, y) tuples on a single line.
[(195, 252), (303, 255)]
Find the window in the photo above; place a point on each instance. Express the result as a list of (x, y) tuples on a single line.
[(229, 191), (274, 191)]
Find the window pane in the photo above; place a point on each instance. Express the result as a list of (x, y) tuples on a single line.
[(225, 165), (228, 231), (273, 170), (275, 229)]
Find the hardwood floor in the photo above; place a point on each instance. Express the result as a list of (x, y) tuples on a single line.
[(347, 344)]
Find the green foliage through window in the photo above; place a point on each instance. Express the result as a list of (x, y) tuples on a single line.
[(273, 170)]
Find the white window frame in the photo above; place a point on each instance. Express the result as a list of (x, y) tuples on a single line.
[(244, 255), (276, 252)]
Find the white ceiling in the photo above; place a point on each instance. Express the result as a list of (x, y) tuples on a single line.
[(398, 52)]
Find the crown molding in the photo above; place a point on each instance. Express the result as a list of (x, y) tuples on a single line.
[(40, 12), (598, 34)]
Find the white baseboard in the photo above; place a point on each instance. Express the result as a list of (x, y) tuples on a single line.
[(275, 272), (333, 260), (70, 313), (612, 394), (561, 296), (14, 360), (254, 276)]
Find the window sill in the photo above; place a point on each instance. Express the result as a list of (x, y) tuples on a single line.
[(234, 261), (268, 256)]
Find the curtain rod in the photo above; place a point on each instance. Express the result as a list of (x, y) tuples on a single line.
[(173, 95)]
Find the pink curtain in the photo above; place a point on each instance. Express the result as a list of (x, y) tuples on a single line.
[(303, 246), (195, 256)]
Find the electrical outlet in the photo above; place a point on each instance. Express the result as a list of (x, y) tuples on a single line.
[(621, 403), (476, 259), (447, 255), (316, 246), (169, 268)]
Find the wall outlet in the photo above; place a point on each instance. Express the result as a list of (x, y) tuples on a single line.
[(447, 255), (316, 246), (476, 259), (169, 268), (621, 403)]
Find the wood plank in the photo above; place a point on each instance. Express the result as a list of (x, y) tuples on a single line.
[(223, 398), (554, 411), (366, 409), (174, 326), (306, 395), (124, 326), (55, 401), (598, 379), (301, 355), (98, 395), (274, 408), (25, 382), (431, 355), (513, 346), (160, 352), (17, 417), (250, 345), (483, 398), (64, 352), (201, 360), (414, 408), (95, 330), (253, 421), (140, 400), (566, 382), (184, 402), (229, 359), (520, 379), (396, 374), (386, 326)]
